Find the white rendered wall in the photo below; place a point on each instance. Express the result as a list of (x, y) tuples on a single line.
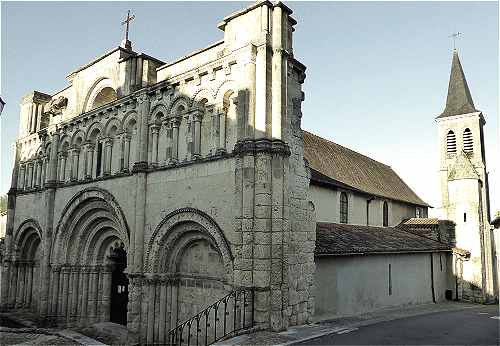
[(327, 206), (353, 285)]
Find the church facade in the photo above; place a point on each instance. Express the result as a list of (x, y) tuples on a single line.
[(188, 174), (147, 193)]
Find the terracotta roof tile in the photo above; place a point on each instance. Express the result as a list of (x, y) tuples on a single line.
[(356, 170)]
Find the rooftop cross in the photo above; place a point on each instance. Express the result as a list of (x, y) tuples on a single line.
[(126, 22), (454, 37)]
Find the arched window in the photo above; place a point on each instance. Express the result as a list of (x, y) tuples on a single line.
[(343, 207), (104, 96), (451, 143), (468, 146), (385, 216)]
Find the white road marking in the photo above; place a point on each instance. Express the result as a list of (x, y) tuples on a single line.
[(496, 317), (483, 313), (347, 330)]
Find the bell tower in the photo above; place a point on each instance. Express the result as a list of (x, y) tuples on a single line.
[(464, 187)]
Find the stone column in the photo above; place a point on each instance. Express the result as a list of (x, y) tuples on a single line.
[(107, 155), (30, 175), (134, 307), (151, 281), (56, 270), (140, 169), (168, 141), (49, 197), (250, 70), (85, 296), (215, 131), (74, 165), (197, 118), (106, 291), (261, 87), (222, 132), (20, 286), (277, 73), (65, 273), (163, 328), (30, 285), (35, 174), (126, 156), (44, 171), (155, 129), (62, 174), (21, 177), (176, 121), (90, 161), (93, 285), (13, 284), (75, 280)]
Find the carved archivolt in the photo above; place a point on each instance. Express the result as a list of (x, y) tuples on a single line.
[(89, 223), (176, 231), (94, 90), (28, 235)]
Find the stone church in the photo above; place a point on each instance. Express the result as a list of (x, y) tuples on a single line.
[(184, 200)]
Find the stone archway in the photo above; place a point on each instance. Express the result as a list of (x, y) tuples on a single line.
[(190, 267), (83, 258), (25, 283)]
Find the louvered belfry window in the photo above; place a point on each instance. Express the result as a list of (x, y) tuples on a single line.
[(385, 216), (451, 142), (343, 207), (468, 146)]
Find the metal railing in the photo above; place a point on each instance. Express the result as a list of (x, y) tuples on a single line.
[(233, 313)]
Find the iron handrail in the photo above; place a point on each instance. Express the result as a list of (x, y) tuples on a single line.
[(241, 299)]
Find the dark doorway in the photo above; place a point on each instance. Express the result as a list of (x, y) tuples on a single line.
[(119, 285)]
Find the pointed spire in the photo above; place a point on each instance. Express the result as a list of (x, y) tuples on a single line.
[(459, 100)]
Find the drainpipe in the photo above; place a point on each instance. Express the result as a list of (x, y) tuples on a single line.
[(432, 278)]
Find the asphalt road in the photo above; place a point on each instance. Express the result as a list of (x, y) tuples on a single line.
[(477, 326)]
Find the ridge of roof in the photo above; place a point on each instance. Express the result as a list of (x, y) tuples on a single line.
[(346, 148), (459, 99)]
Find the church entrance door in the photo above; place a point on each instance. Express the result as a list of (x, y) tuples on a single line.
[(119, 287)]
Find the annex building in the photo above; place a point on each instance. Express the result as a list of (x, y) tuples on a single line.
[(184, 199)]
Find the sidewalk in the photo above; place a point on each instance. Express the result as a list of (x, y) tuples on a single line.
[(341, 325), (19, 328)]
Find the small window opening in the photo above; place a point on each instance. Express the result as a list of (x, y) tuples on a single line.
[(451, 143), (468, 146), (465, 217), (440, 262), (343, 207), (385, 220), (390, 279), (99, 159)]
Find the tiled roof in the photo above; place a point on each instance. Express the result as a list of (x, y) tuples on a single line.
[(421, 221), (360, 172), (343, 239)]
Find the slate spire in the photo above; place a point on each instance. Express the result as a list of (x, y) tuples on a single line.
[(459, 100)]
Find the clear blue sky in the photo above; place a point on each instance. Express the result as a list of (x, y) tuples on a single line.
[(377, 72)]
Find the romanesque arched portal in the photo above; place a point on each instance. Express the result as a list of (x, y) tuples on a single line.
[(190, 267), (25, 285), (90, 242)]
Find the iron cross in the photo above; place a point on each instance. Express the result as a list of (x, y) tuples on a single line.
[(126, 22), (454, 37)]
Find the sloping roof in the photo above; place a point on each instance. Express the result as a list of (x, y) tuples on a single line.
[(459, 100), (342, 239), (421, 221), (355, 170)]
